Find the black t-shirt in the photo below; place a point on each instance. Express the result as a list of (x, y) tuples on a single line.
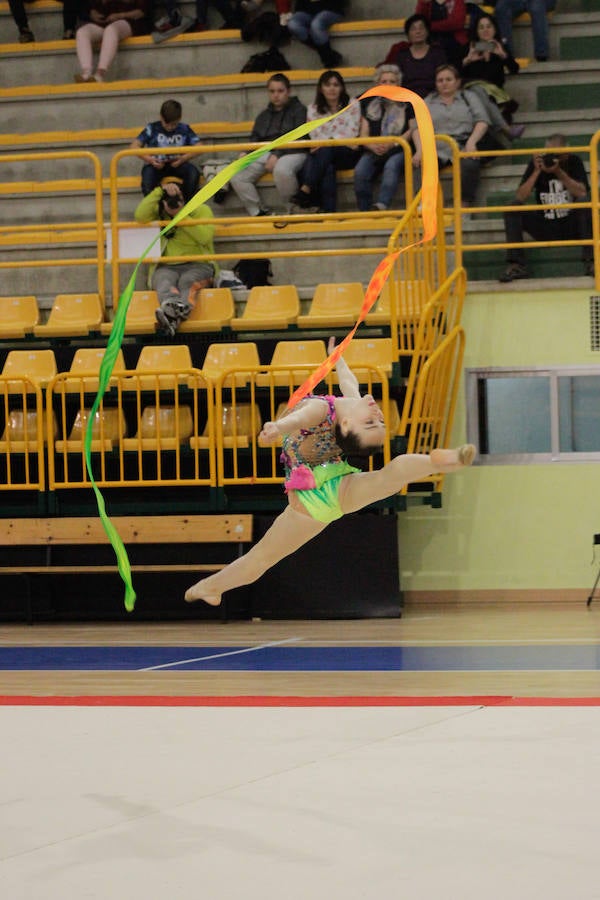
[(550, 189)]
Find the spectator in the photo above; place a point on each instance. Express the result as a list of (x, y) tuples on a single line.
[(69, 15), (310, 23), (460, 115), (483, 70), (169, 131), (318, 186), (555, 177), (417, 59), (507, 10), (174, 23), (381, 117), (176, 283), (110, 22), (281, 115), (446, 19), (283, 8)]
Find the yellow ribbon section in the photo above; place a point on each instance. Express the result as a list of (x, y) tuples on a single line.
[(428, 204)]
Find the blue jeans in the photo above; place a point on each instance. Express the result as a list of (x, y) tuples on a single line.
[(507, 10), (319, 173), (303, 26), (391, 166)]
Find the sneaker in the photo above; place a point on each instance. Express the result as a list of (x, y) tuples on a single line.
[(379, 207), (166, 23), (513, 272), (26, 36), (297, 210), (264, 212), (303, 200), (165, 322)]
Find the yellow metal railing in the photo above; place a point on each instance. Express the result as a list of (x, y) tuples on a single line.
[(435, 400), (338, 220), (63, 234), (22, 430)]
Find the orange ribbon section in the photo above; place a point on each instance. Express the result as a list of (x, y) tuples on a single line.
[(429, 189)]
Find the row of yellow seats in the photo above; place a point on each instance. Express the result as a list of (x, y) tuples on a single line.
[(297, 357), (267, 307)]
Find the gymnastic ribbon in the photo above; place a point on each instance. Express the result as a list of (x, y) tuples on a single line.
[(428, 204), (429, 189)]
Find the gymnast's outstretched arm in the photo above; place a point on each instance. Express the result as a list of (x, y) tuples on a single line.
[(348, 381)]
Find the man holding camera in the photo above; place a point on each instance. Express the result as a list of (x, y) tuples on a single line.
[(556, 177), (177, 283)]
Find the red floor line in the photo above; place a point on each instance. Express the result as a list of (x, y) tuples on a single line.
[(268, 701)]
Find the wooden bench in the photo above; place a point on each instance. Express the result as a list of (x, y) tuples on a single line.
[(46, 534)]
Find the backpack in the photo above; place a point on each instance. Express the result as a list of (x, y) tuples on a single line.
[(254, 272), (272, 60)]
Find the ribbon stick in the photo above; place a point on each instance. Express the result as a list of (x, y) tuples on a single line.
[(428, 203)]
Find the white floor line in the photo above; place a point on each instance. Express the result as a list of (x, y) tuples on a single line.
[(183, 662)]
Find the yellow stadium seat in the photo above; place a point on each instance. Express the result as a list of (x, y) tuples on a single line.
[(18, 316), (21, 431), (108, 428), (334, 305), (268, 307), (165, 428), (84, 367), (140, 314), (409, 303), (220, 357), (213, 311), (297, 359), (37, 365), (369, 352), (72, 315), (239, 425), (161, 359)]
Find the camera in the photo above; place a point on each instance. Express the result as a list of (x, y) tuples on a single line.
[(549, 160), (172, 201), (483, 46)]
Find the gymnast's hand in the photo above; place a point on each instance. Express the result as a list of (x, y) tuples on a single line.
[(270, 433)]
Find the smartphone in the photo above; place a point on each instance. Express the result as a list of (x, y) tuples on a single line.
[(482, 46)]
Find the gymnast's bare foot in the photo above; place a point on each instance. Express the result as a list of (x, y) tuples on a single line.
[(451, 460), (200, 591)]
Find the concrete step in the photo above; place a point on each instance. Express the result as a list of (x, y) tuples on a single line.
[(266, 238), (48, 108), (214, 52)]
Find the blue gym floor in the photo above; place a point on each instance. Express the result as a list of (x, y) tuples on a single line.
[(293, 657)]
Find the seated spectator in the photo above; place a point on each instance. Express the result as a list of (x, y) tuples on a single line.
[(318, 188), (381, 117), (70, 14), (174, 22), (417, 58), (177, 283), (446, 19), (283, 8), (310, 23), (507, 10), (169, 131), (282, 114), (483, 70), (553, 177), (460, 115), (110, 22)]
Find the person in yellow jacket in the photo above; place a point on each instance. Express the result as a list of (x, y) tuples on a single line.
[(178, 282)]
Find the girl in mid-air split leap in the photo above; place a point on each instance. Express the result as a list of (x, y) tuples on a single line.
[(320, 484)]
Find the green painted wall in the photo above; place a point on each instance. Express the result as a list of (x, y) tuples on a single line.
[(516, 527)]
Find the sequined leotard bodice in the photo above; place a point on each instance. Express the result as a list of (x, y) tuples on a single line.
[(314, 446)]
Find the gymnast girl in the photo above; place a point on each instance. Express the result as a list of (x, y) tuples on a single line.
[(321, 486)]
